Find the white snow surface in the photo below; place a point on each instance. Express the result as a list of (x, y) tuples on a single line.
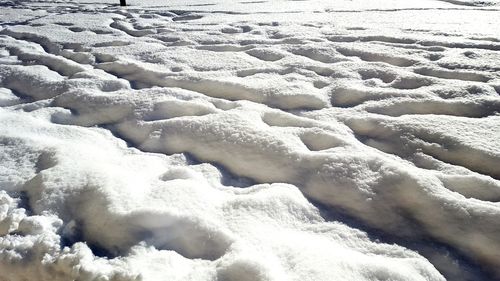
[(249, 140)]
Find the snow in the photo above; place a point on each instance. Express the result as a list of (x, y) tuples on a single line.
[(249, 140)]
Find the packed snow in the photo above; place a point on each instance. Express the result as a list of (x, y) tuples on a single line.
[(249, 140)]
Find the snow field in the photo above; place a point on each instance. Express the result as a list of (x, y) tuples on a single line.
[(247, 141)]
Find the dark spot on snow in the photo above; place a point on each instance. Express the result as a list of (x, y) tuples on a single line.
[(77, 29), (72, 233), (24, 202), (187, 18), (355, 28), (64, 23), (252, 2), (470, 54), (434, 56), (201, 5), (497, 88), (227, 177)]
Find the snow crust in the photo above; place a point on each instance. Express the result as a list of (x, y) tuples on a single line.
[(249, 140)]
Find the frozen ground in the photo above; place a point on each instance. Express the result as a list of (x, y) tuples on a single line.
[(250, 140)]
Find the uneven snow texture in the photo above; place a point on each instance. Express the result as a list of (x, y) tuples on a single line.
[(249, 140)]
